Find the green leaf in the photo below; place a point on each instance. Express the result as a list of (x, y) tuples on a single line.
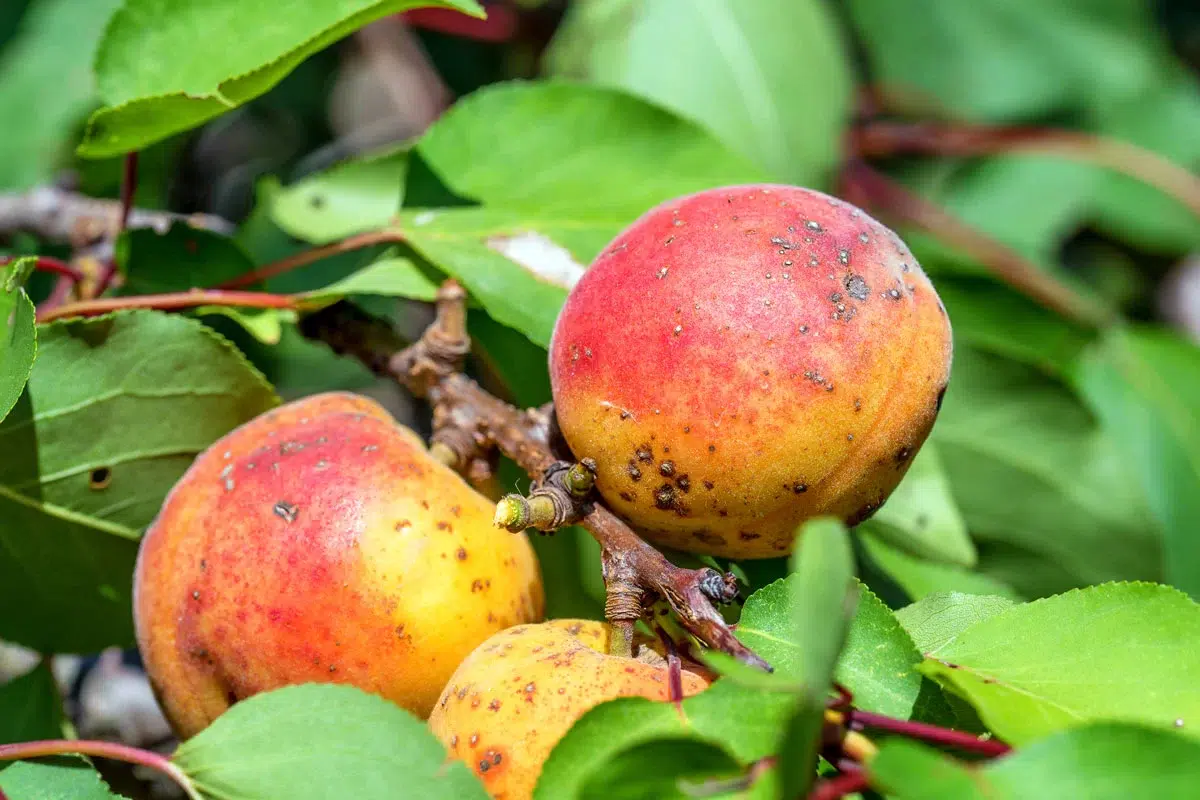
[(1163, 120), (1111, 652), (264, 324), (18, 333), (47, 67), (180, 259), (163, 67), (518, 265), (391, 276), (1008, 59), (557, 148), (352, 197), (662, 768), (30, 707), (769, 77), (116, 409), (1099, 762), (320, 741), (1029, 467), (822, 599), (921, 516), (54, 779), (921, 578), (747, 723), (934, 621), (1145, 387), (997, 319)]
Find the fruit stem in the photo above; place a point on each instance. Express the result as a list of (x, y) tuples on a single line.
[(306, 257), (51, 265), (101, 749), (621, 643), (840, 785), (168, 302), (857, 720)]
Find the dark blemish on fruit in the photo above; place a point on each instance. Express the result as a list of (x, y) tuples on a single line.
[(628, 497), (849, 437), (644, 454), (666, 499), (856, 287), (461, 554), (708, 485), (687, 428), (723, 512), (892, 294), (666, 449), (662, 273), (667, 468), (684, 483), (400, 631), (286, 511), (941, 395), (857, 404), (476, 585), (863, 514), (456, 510), (813, 225), (332, 668), (402, 524), (203, 565), (804, 329), (708, 537), (625, 415), (635, 474), (196, 595), (444, 526), (903, 454), (712, 448), (844, 257), (425, 504), (484, 766), (747, 536), (474, 740), (286, 448), (784, 243), (100, 478)]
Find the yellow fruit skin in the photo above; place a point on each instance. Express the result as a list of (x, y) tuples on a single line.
[(518, 693), (745, 358), (320, 542)]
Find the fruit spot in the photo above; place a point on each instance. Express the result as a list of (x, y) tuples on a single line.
[(286, 511)]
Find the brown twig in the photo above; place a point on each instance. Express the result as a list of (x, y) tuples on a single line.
[(169, 302), (100, 749), (882, 139), (58, 216), (840, 785), (128, 190), (864, 185), (305, 257), (635, 573)]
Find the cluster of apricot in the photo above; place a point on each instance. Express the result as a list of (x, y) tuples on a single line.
[(735, 362)]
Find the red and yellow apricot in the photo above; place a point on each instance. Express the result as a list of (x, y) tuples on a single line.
[(518, 693), (745, 358), (321, 542)]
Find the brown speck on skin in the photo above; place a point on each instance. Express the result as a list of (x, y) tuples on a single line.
[(444, 526), (857, 404), (667, 468), (813, 225), (476, 585), (203, 565), (627, 497), (747, 536), (903, 454), (286, 511), (784, 243), (462, 554), (644, 454), (849, 437), (635, 474), (474, 740), (856, 287), (799, 487), (402, 524), (708, 485), (712, 448), (625, 415), (684, 483), (196, 595), (941, 395)]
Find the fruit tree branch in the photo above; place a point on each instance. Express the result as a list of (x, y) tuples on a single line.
[(468, 422), (168, 302)]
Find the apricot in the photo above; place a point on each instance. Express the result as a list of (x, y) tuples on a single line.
[(745, 358), (518, 693), (321, 542)]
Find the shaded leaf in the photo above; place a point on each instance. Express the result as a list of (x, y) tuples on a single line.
[(920, 578), (768, 77), (48, 67), (556, 147), (368, 748), (163, 68), (1111, 652), (30, 708), (391, 276), (1145, 387), (18, 333), (662, 768), (934, 621), (910, 771), (1029, 466), (351, 197), (180, 259), (117, 407), (921, 516)]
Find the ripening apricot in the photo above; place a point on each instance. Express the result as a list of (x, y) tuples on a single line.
[(321, 542), (745, 358), (518, 693)]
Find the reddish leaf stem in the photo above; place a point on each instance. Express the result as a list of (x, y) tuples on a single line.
[(864, 185), (925, 732), (894, 138), (169, 302), (500, 25), (839, 786), (387, 236), (100, 749), (51, 265), (128, 190)]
